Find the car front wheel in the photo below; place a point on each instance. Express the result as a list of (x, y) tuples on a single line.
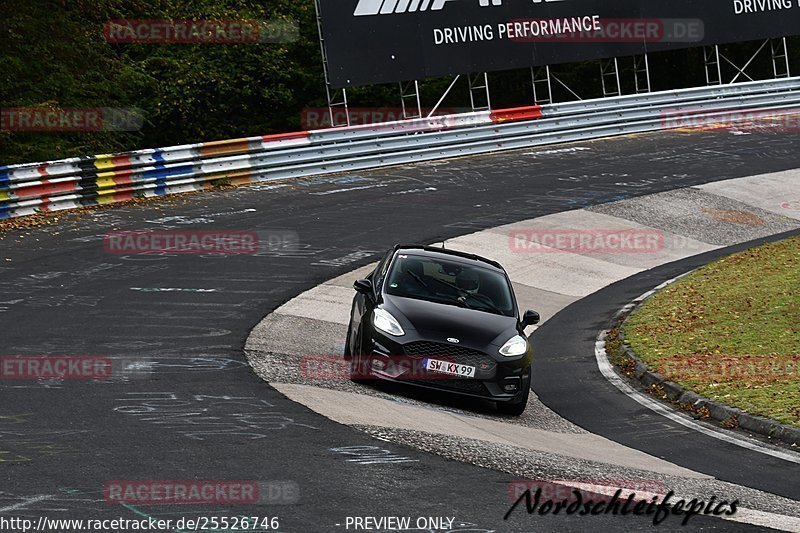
[(348, 354), (359, 369)]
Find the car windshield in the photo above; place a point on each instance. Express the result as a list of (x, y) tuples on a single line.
[(450, 282)]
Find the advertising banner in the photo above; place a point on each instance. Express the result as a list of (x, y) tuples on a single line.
[(381, 41)]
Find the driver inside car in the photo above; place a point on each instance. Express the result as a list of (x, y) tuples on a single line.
[(468, 281)]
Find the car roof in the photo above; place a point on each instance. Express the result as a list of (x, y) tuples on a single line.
[(442, 253)]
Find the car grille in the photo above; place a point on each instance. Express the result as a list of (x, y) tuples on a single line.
[(450, 352)]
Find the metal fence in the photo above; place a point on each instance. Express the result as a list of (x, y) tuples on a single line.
[(102, 179)]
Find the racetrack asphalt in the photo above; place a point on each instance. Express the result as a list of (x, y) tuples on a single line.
[(562, 378), (182, 402)]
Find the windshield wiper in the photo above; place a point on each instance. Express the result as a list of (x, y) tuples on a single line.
[(448, 284), (485, 300), (417, 279)]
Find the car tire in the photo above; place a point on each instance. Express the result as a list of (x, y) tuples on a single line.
[(358, 368), (348, 354), (517, 407)]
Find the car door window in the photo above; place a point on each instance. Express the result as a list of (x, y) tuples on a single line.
[(379, 274)]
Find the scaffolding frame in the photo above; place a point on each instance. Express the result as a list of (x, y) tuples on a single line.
[(714, 59), (780, 58), (540, 76), (641, 73), (609, 77), (479, 88), (337, 98), (543, 76), (713, 65), (410, 90)]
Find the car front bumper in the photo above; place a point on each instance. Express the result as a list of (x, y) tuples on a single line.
[(496, 378)]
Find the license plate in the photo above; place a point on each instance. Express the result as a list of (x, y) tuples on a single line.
[(451, 369)]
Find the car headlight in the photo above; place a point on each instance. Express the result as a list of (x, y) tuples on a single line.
[(384, 321), (516, 345)]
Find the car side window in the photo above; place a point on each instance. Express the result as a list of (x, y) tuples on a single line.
[(379, 274)]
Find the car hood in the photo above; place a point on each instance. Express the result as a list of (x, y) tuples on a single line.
[(438, 322)]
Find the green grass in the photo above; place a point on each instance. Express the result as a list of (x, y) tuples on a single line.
[(730, 331)]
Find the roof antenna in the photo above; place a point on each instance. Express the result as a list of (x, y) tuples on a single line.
[(443, 241)]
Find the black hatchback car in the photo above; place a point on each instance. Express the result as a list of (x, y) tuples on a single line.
[(444, 320)]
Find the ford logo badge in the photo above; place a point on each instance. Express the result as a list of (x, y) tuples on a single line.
[(454, 341)]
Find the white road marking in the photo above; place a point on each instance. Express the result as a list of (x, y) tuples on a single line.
[(25, 502), (559, 151), (607, 370), (171, 289), (765, 519), (410, 191), (336, 191)]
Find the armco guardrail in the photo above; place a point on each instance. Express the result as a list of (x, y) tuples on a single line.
[(85, 181)]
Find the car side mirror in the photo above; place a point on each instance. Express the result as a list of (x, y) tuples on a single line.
[(364, 286), (530, 318)]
